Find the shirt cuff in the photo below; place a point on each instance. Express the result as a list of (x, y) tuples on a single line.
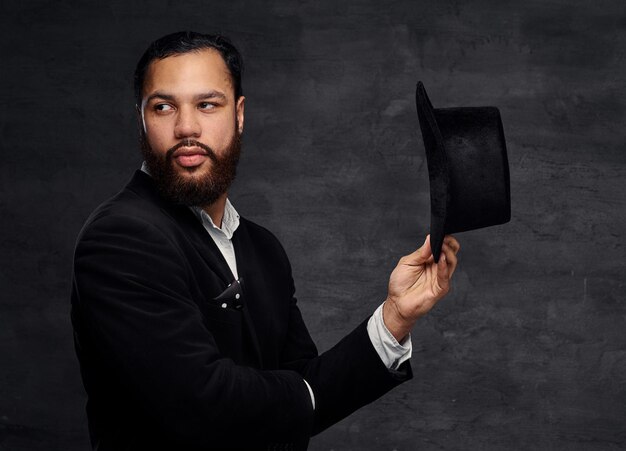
[(310, 392), (392, 353)]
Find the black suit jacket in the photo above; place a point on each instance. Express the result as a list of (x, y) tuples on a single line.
[(172, 359)]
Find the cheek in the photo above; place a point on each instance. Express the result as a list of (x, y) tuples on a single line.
[(156, 136), (218, 134)]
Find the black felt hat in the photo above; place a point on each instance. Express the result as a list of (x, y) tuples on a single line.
[(467, 167)]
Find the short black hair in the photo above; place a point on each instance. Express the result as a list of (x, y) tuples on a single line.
[(185, 42)]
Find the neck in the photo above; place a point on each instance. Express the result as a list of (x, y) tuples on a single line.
[(216, 210)]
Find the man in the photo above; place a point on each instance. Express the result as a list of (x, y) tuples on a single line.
[(185, 323)]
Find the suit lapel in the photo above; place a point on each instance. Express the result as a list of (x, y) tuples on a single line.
[(205, 245), (240, 243), (142, 184)]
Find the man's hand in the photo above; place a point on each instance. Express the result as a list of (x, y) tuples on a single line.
[(416, 284)]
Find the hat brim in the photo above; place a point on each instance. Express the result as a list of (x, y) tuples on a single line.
[(437, 169)]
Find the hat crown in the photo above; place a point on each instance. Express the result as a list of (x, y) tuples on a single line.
[(478, 176), (467, 167)]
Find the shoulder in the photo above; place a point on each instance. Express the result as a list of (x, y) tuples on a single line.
[(139, 197), (262, 239), (258, 233), (123, 241), (134, 211)]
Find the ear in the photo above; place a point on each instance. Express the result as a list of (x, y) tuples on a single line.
[(239, 112)]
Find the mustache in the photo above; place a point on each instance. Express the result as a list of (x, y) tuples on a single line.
[(188, 142)]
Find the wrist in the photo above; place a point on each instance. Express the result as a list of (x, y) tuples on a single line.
[(398, 326)]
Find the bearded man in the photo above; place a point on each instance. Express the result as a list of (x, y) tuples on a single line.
[(185, 322)]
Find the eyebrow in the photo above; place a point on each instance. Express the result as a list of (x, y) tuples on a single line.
[(204, 95)]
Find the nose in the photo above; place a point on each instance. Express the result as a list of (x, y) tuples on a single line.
[(187, 124)]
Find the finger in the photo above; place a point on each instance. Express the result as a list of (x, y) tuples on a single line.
[(452, 242), (450, 257)]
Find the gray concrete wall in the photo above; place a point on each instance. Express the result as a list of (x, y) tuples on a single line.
[(529, 349)]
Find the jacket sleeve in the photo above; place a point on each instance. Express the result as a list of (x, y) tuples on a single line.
[(346, 377), (132, 307)]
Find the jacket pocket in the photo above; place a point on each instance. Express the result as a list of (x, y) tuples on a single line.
[(225, 324)]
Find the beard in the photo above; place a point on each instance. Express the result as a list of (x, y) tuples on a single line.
[(179, 185)]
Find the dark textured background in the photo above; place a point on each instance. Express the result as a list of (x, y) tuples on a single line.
[(529, 349)]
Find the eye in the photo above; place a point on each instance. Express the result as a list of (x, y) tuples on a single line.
[(163, 107), (206, 105)]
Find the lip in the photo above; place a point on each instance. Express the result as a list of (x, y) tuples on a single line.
[(189, 157), (186, 151)]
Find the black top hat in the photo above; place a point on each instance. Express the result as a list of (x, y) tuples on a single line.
[(467, 167)]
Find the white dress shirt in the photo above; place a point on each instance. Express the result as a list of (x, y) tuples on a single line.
[(392, 353)]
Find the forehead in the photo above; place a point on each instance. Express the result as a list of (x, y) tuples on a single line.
[(188, 73)]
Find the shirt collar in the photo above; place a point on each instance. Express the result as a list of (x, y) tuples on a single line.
[(230, 220)]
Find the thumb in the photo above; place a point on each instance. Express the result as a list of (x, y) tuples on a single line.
[(443, 273), (422, 254)]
